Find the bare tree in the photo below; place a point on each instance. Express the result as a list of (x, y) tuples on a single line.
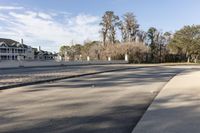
[(141, 37), (109, 23), (129, 27)]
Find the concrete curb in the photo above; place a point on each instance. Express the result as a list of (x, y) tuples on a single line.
[(157, 95)]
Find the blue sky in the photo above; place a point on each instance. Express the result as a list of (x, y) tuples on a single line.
[(50, 23)]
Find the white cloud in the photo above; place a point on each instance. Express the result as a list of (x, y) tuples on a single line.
[(44, 15), (10, 7), (42, 28), (85, 19)]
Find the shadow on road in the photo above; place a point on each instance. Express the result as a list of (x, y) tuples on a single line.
[(109, 103)]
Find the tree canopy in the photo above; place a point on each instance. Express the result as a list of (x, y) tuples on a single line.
[(151, 46), (187, 41)]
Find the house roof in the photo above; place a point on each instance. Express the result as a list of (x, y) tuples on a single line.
[(42, 52), (11, 43)]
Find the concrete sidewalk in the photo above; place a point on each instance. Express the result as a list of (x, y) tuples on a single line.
[(176, 109)]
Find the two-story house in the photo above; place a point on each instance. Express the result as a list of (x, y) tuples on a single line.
[(13, 50)]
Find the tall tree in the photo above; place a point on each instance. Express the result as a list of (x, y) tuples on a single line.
[(187, 40), (157, 42), (162, 42), (109, 23), (64, 50), (142, 36), (168, 37), (129, 27), (153, 36), (76, 49), (86, 50)]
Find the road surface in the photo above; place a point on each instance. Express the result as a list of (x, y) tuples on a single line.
[(15, 76), (109, 102)]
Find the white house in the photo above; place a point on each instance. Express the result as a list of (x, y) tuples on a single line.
[(13, 50)]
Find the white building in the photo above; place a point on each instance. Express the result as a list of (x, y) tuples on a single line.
[(13, 50)]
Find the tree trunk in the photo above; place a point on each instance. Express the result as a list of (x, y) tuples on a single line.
[(104, 40)]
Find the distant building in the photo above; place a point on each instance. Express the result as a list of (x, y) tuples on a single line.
[(43, 55), (57, 57), (13, 50)]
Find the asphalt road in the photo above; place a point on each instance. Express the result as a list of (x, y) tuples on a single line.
[(15, 76), (110, 102)]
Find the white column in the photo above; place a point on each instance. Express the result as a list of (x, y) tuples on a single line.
[(126, 57), (88, 58), (109, 58)]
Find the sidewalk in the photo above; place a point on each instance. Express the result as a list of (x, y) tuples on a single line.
[(176, 109)]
